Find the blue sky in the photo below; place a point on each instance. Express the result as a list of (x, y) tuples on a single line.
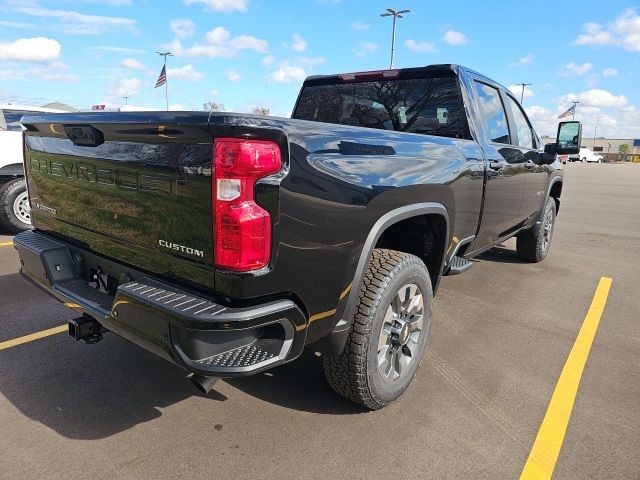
[(247, 53)]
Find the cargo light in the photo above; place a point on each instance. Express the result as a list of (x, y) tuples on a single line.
[(371, 74), (242, 229)]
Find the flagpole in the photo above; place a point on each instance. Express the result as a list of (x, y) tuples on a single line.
[(166, 77), (166, 83)]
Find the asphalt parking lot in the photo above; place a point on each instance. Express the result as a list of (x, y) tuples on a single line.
[(501, 335)]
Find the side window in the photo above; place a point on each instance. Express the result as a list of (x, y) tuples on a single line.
[(523, 129), (493, 116)]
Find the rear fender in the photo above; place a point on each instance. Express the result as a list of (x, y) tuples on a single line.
[(335, 341)]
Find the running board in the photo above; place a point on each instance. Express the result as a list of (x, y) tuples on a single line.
[(458, 265)]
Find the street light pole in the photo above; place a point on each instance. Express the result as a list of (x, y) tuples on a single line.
[(522, 94), (166, 83), (595, 132), (395, 14)]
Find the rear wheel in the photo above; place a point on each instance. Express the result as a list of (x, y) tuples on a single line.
[(389, 331), (15, 213), (533, 245), (584, 159)]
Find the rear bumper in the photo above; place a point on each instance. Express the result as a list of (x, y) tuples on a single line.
[(183, 327)]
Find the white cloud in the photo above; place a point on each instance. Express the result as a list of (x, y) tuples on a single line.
[(453, 37), (225, 6), (110, 3), (311, 61), (299, 44), (268, 60), (360, 26), (108, 48), (288, 74), (133, 64), (176, 107), (51, 72), (126, 87), (365, 48), (74, 22), (217, 36), (517, 91), (420, 47), (623, 32), (523, 61), (572, 69), (247, 42), (611, 113), (7, 24), (218, 43), (186, 72), (182, 27), (37, 49), (610, 72), (232, 76), (596, 97)]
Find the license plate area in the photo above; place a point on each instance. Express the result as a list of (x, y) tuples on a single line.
[(102, 281)]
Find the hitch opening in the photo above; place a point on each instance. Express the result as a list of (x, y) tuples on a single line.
[(86, 328)]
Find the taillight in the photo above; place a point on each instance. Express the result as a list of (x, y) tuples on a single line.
[(242, 229)]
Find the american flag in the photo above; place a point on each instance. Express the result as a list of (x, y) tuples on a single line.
[(569, 113), (162, 79)]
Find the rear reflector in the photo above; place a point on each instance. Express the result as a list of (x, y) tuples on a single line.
[(242, 229)]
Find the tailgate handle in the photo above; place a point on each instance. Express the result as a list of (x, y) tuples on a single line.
[(84, 135)]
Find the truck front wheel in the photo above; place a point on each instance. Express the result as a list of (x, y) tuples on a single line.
[(533, 245), (389, 331), (15, 214)]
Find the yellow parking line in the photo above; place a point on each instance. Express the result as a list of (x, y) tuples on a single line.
[(546, 448), (34, 336), (6, 244)]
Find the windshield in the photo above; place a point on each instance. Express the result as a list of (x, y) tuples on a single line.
[(429, 105)]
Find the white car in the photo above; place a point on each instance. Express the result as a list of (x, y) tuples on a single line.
[(15, 214), (587, 155)]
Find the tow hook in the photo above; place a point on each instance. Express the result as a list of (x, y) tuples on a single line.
[(86, 328)]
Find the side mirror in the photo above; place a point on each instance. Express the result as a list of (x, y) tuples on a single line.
[(569, 138)]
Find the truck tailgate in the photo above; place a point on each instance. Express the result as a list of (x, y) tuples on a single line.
[(135, 187)]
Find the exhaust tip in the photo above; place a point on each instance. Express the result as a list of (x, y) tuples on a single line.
[(203, 383)]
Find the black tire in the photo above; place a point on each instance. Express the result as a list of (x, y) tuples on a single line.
[(10, 193), (355, 373), (533, 245)]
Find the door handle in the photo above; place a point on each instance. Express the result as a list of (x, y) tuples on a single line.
[(529, 164), (496, 165)]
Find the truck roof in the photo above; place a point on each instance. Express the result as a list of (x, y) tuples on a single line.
[(389, 73)]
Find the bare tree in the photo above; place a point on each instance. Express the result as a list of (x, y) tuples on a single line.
[(261, 111), (213, 107)]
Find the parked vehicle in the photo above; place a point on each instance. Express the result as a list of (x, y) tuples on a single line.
[(587, 155), (14, 205), (226, 243)]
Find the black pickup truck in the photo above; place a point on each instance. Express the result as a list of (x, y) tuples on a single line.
[(227, 243)]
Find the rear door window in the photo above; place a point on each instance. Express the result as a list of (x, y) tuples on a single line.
[(493, 114), (523, 128)]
